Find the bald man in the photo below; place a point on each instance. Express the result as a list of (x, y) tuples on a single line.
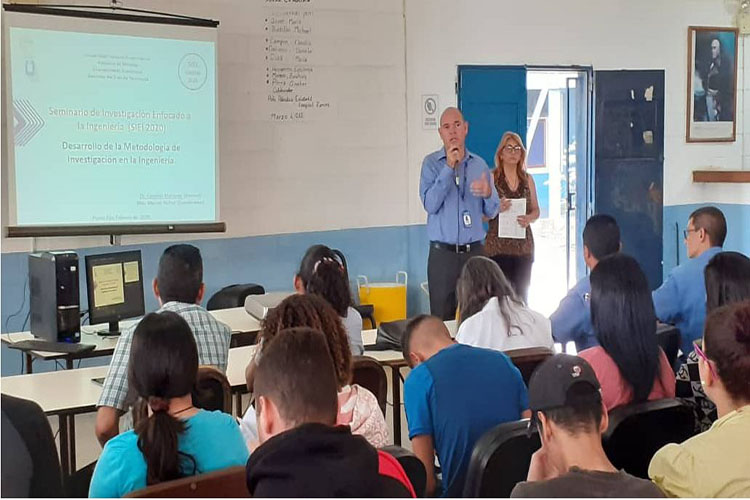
[(453, 395), (456, 191)]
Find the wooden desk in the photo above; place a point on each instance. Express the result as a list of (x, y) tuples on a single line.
[(244, 330)]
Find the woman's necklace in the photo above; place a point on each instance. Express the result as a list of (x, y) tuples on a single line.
[(183, 410)]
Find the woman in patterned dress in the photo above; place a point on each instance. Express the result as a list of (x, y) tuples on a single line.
[(514, 256)]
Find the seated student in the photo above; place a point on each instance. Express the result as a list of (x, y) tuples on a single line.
[(569, 414), (453, 395), (490, 313), (179, 288), (302, 452), (727, 281), (681, 299), (322, 273), (630, 365), (177, 439), (572, 319), (716, 463), (358, 407)]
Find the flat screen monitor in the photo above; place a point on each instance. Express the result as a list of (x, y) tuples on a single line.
[(114, 285)]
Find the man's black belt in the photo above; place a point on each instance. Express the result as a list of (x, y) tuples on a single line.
[(452, 247)]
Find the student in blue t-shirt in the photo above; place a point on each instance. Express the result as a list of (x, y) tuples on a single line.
[(453, 395), (177, 439)]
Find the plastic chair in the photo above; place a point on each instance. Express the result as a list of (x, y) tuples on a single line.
[(500, 460), (638, 430), (412, 465), (527, 359), (26, 430), (233, 296), (224, 483), (367, 311), (668, 337), (369, 373), (211, 392)]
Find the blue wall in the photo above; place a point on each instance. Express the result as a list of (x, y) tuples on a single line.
[(270, 261), (738, 230)]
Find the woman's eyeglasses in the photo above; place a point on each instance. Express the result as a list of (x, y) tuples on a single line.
[(513, 149), (702, 354)]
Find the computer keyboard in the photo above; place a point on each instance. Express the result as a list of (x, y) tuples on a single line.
[(46, 345)]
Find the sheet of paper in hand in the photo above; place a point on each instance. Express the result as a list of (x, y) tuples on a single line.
[(507, 222)]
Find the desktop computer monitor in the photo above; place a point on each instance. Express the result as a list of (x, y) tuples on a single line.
[(114, 285)]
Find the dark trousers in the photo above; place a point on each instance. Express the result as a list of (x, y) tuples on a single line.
[(517, 268), (443, 268)]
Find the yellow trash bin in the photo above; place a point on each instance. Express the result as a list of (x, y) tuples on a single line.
[(388, 299)]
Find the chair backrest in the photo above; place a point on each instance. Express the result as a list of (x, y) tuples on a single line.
[(669, 339), (500, 460), (638, 430), (527, 359), (233, 296), (370, 374), (27, 441), (211, 392), (224, 483), (412, 465)]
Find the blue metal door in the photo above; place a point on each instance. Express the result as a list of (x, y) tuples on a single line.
[(493, 101), (629, 158)]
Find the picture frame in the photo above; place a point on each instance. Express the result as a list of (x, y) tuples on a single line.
[(711, 113)]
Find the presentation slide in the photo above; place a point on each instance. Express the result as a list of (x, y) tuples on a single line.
[(112, 128)]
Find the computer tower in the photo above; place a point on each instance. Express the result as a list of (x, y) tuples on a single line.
[(55, 303)]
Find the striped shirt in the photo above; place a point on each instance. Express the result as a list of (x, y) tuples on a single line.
[(211, 336)]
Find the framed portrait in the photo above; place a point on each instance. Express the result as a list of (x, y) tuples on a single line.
[(712, 84)]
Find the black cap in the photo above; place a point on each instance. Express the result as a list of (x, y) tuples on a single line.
[(550, 382)]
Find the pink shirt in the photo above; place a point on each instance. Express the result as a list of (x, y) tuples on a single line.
[(615, 389)]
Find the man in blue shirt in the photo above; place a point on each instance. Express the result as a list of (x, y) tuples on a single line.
[(572, 319), (456, 191), (453, 395), (681, 300)]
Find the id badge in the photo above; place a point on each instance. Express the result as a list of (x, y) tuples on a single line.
[(467, 219)]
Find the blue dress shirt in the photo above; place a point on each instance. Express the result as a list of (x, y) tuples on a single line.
[(446, 199), (681, 299), (572, 319)]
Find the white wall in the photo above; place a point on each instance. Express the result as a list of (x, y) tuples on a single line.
[(622, 34), (341, 169), (361, 167)]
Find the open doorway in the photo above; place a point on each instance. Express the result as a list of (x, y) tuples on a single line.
[(550, 108), (558, 142)]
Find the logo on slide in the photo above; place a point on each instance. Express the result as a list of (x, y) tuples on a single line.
[(192, 71), (26, 122)]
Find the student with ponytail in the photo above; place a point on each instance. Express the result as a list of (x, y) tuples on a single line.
[(176, 439), (321, 272)]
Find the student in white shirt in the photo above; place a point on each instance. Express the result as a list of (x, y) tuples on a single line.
[(490, 313)]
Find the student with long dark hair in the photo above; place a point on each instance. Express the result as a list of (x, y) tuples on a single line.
[(630, 365), (321, 272), (176, 439), (490, 313), (716, 462), (727, 281)]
